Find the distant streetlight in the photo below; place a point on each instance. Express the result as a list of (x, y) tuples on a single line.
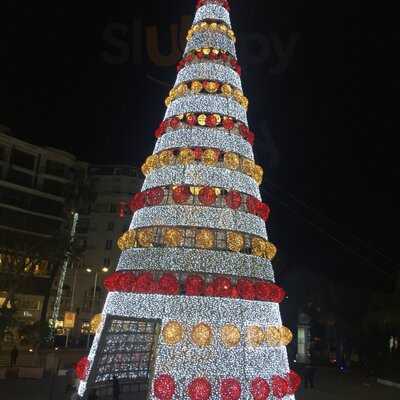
[(88, 270), (105, 269)]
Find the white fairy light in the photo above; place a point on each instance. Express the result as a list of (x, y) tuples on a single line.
[(211, 39), (212, 12)]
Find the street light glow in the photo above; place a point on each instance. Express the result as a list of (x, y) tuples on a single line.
[(88, 270), (105, 269)]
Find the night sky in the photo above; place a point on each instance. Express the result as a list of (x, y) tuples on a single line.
[(329, 178)]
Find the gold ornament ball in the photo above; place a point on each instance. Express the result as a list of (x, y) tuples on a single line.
[(273, 336), (186, 156), (214, 26), (237, 94), (166, 158), (202, 335), (255, 336), (195, 190), (231, 160), (230, 335), (201, 119), (286, 335), (173, 237), (182, 89), (196, 28), (226, 89), (130, 238), (258, 174), (152, 161), (218, 118), (172, 333), (196, 87), (209, 157), (270, 250), (121, 243), (95, 323), (212, 87), (215, 51), (223, 28), (235, 241), (258, 247), (206, 51), (168, 101), (204, 25), (244, 101), (146, 169), (145, 237), (205, 239), (248, 166)]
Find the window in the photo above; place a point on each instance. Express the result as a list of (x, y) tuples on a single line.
[(109, 244), (110, 226), (22, 159)]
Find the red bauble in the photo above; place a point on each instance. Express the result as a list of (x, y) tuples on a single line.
[(194, 285), (199, 389), (126, 281), (199, 55), (188, 58), (263, 290), (233, 200), (263, 211), (244, 130), (155, 196), (250, 137), (158, 132), (209, 290), (174, 122), (207, 196), (277, 294), (154, 287), (238, 69), (252, 204), (228, 123), (137, 202), (224, 57), (111, 283), (234, 293), (198, 152), (181, 194), (211, 121), (213, 56), (144, 282), (234, 63), (81, 368), (164, 387), (169, 284), (259, 389), (230, 389), (246, 289), (294, 381), (280, 387), (222, 286), (191, 120)]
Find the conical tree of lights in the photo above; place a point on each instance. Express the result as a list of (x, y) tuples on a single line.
[(193, 309)]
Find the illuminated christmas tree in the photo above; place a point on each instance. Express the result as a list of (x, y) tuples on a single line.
[(193, 309)]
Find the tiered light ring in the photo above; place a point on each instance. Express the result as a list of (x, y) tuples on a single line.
[(222, 3), (212, 27)]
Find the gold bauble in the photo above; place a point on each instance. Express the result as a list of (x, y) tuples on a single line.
[(182, 89), (145, 237), (218, 118), (172, 332), (244, 101), (273, 336), (168, 101), (173, 237), (214, 26), (206, 51), (215, 51), (204, 25), (186, 156), (195, 190), (235, 241), (202, 335), (196, 87), (248, 166), (130, 238), (121, 243), (258, 247), (258, 174), (255, 336), (152, 161), (230, 335), (201, 119), (286, 335), (231, 160), (231, 34), (95, 323), (196, 28), (209, 157), (223, 28), (212, 87), (270, 250), (226, 89), (237, 94), (172, 93), (146, 169), (166, 157), (205, 239)]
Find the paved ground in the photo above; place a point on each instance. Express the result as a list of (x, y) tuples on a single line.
[(330, 385)]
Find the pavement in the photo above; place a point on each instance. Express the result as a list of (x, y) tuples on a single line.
[(330, 385)]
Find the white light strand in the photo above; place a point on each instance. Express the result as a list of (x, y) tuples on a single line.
[(216, 138), (211, 39), (202, 175), (200, 217), (206, 103), (212, 12), (209, 71), (195, 260)]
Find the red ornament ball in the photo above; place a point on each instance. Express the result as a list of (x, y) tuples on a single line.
[(164, 387), (207, 196), (174, 122), (259, 389), (211, 121), (222, 286), (81, 368), (294, 382), (230, 389), (154, 196), (111, 283), (263, 290), (181, 194), (137, 202), (199, 389), (169, 284), (280, 387), (191, 120), (250, 137), (144, 282), (252, 204), (263, 211), (228, 124), (198, 152), (277, 294), (126, 281), (194, 285), (233, 200), (209, 290), (246, 289)]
